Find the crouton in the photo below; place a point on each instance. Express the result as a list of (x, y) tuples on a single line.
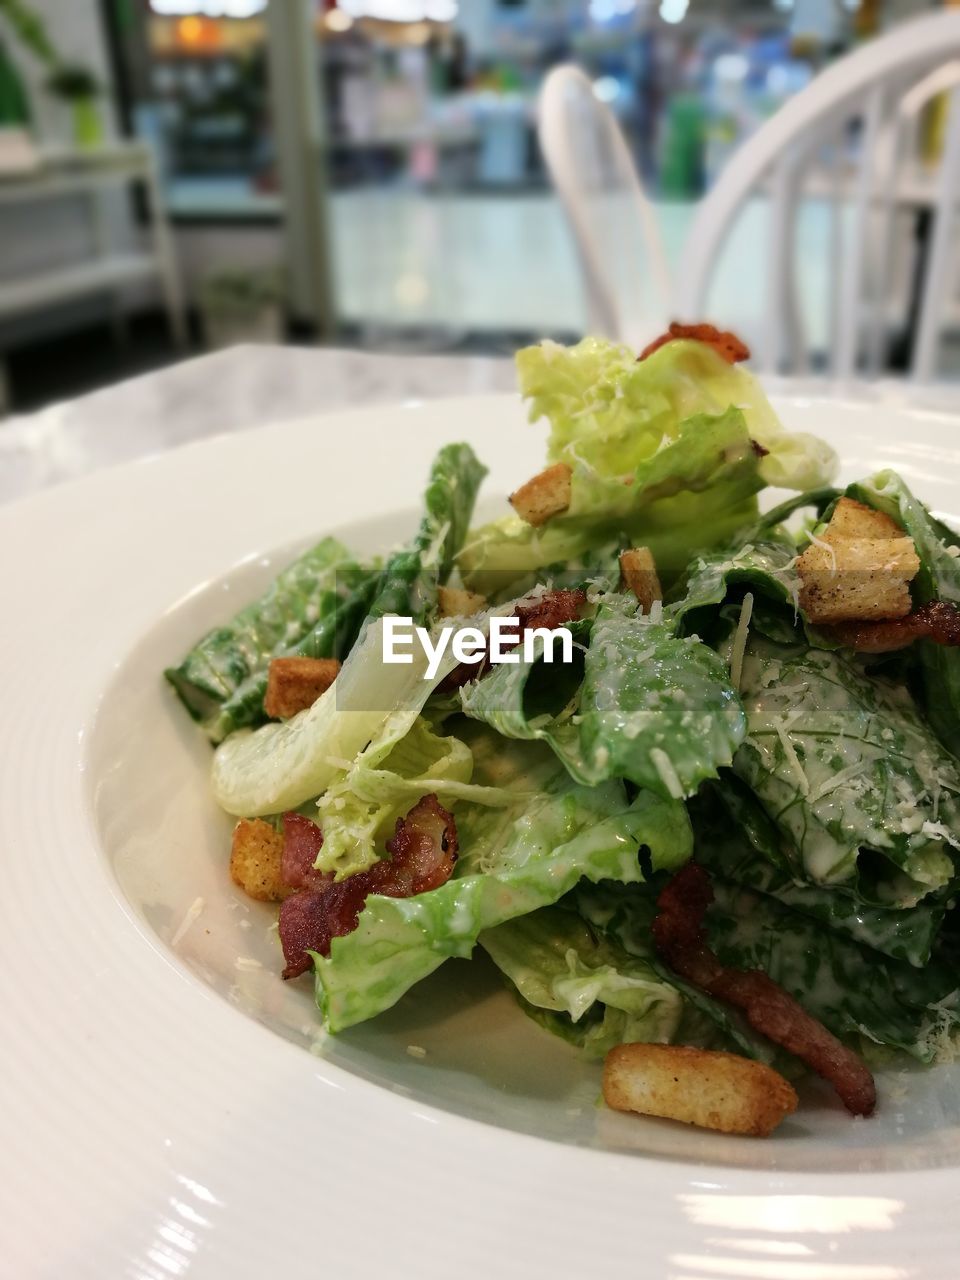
[(852, 519), (638, 573), (457, 603), (857, 578), (546, 495), (255, 859), (711, 1089), (296, 683)]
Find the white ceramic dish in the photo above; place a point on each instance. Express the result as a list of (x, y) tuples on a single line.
[(171, 1108)]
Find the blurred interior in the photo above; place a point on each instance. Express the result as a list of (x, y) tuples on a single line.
[(364, 172)]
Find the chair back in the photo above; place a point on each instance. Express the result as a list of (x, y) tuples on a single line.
[(623, 265), (838, 168)]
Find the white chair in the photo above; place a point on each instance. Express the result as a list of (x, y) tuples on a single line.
[(844, 140), (621, 255)]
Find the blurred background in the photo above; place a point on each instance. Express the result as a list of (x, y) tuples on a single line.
[(178, 175)]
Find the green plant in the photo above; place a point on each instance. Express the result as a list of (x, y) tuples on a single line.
[(230, 291), (31, 30), (73, 82)]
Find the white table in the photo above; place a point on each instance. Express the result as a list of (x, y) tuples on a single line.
[(232, 390), (247, 387)]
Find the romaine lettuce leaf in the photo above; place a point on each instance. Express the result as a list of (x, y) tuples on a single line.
[(765, 567), (654, 708), (612, 412), (285, 763), (693, 493), (359, 809), (738, 841), (938, 579), (843, 764), (583, 988), (624, 914), (852, 990), (406, 585), (511, 864), (312, 592), (531, 700)]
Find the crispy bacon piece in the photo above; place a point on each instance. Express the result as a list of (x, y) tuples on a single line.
[(939, 622), (302, 841), (551, 610), (724, 342), (678, 935), (423, 852)]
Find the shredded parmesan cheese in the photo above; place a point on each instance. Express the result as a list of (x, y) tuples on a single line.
[(788, 751), (825, 546), (668, 775), (191, 914), (740, 640)]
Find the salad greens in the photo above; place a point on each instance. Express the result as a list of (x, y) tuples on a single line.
[(317, 607), (513, 864), (818, 786), (304, 599), (580, 986)]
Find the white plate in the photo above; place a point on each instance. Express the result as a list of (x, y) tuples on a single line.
[(155, 1124)]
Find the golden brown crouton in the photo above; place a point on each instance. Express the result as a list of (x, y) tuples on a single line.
[(457, 603), (546, 495), (852, 519), (638, 573), (296, 683), (255, 859), (711, 1089), (857, 578)]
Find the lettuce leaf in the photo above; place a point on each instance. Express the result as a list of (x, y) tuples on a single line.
[(654, 708), (407, 585), (511, 863), (842, 763), (693, 493), (583, 988), (623, 914), (938, 579), (766, 567), (738, 841), (315, 592), (661, 451), (358, 812), (338, 606), (534, 701), (283, 764), (852, 990), (611, 412)]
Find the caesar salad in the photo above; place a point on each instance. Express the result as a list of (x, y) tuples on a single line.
[(713, 840)]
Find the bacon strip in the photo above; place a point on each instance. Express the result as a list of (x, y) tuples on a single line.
[(302, 841), (939, 622), (678, 935), (423, 852), (549, 611), (725, 343)]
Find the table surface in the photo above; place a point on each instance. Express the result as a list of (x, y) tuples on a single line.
[(250, 386)]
